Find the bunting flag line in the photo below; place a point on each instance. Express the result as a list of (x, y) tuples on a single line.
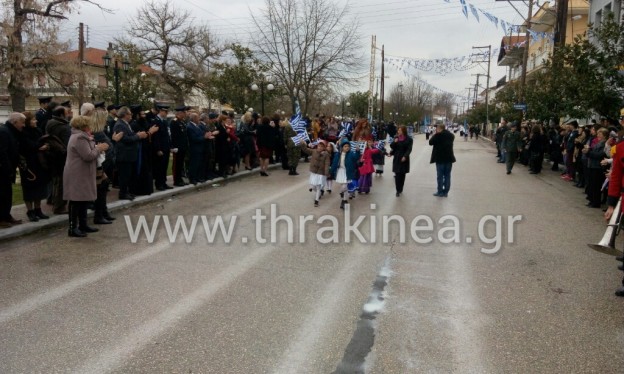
[(473, 9), (464, 8)]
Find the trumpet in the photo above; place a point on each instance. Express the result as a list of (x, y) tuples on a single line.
[(607, 244)]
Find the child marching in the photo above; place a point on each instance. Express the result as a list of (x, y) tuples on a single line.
[(366, 168), (319, 168), (344, 168)]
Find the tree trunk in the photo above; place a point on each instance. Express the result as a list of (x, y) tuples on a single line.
[(15, 55)]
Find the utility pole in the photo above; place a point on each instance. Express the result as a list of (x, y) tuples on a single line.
[(81, 77), (487, 86), (382, 82), (469, 96), (525, 56), (372, 78)]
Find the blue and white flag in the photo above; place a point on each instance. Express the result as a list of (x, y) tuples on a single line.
[(381, 145), (314, 143), (358, 146), (299, 137), (342, 133), (474, 12), (464, 8)]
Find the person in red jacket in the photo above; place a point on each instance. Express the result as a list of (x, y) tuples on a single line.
[(367, 169), (616, 191)]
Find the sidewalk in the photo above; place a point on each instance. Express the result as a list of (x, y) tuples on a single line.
[(27, 227)]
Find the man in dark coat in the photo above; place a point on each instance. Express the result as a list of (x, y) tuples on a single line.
[(59, 127), (127, 152), (442, 155), (161, 147), (179, 144), (197, 145), (9, 158)]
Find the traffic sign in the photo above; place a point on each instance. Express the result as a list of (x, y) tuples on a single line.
[(520, 107)]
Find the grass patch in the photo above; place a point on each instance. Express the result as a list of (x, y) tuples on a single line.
[(18, 197)]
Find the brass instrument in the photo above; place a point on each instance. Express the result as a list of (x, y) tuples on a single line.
[(607, 244)]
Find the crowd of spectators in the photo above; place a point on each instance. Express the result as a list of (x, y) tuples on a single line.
[(78, 160), (581, 153)]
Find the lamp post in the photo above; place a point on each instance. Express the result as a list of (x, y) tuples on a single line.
[(125, 66), (269, 87), (343, 103)]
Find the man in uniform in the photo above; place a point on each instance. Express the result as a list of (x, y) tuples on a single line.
[(44, 113), (99, 105), (179, 144), (513, 146), (161, 147), (110, 120)]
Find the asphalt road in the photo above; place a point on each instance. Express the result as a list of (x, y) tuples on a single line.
[(540, 303)]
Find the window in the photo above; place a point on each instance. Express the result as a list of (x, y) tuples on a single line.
[(598, 19)]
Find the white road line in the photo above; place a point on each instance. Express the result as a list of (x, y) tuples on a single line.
[(117, 353), (315, 325), (49, 295)]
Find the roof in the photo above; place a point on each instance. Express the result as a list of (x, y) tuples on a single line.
[(94, 56)]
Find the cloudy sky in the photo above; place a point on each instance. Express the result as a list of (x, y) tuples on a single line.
[(409, 29)]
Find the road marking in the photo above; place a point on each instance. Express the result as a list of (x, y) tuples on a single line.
[(49, 295), (113, 356), (315, 325)]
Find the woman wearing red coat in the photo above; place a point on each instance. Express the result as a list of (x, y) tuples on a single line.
[(367, 169)]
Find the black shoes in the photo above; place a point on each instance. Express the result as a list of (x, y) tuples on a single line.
[(88, 229), (101, 221), (398, 194), (264, 174), (316, 203), (126, 197), (76, 233), (620, 292), (32, 217), (40, 214), (108, 216), (508, 172)]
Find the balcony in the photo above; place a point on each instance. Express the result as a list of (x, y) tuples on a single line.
[(512, 57)]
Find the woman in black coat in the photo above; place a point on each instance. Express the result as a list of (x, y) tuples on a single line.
[(34, 177), (266, 138), (401, 148)]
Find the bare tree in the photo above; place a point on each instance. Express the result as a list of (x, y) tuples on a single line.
[(168, 40), (41, 16), (308, 43)]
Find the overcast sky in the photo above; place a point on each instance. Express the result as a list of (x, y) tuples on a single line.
[(417, 29)]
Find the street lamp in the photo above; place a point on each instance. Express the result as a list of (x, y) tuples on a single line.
[(269, 87), (348, 104), (125, 66)]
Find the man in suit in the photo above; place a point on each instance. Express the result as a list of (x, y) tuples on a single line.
[(127, 151), (197, 145), (161, 147), (9, 158), (442, 155), (179, 144)]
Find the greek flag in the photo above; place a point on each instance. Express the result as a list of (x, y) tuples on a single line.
[(296, 122), (299, 137), (358, 146), (381, 145), (316, 142)]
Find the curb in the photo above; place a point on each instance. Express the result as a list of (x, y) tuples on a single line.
[(57, 220)]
